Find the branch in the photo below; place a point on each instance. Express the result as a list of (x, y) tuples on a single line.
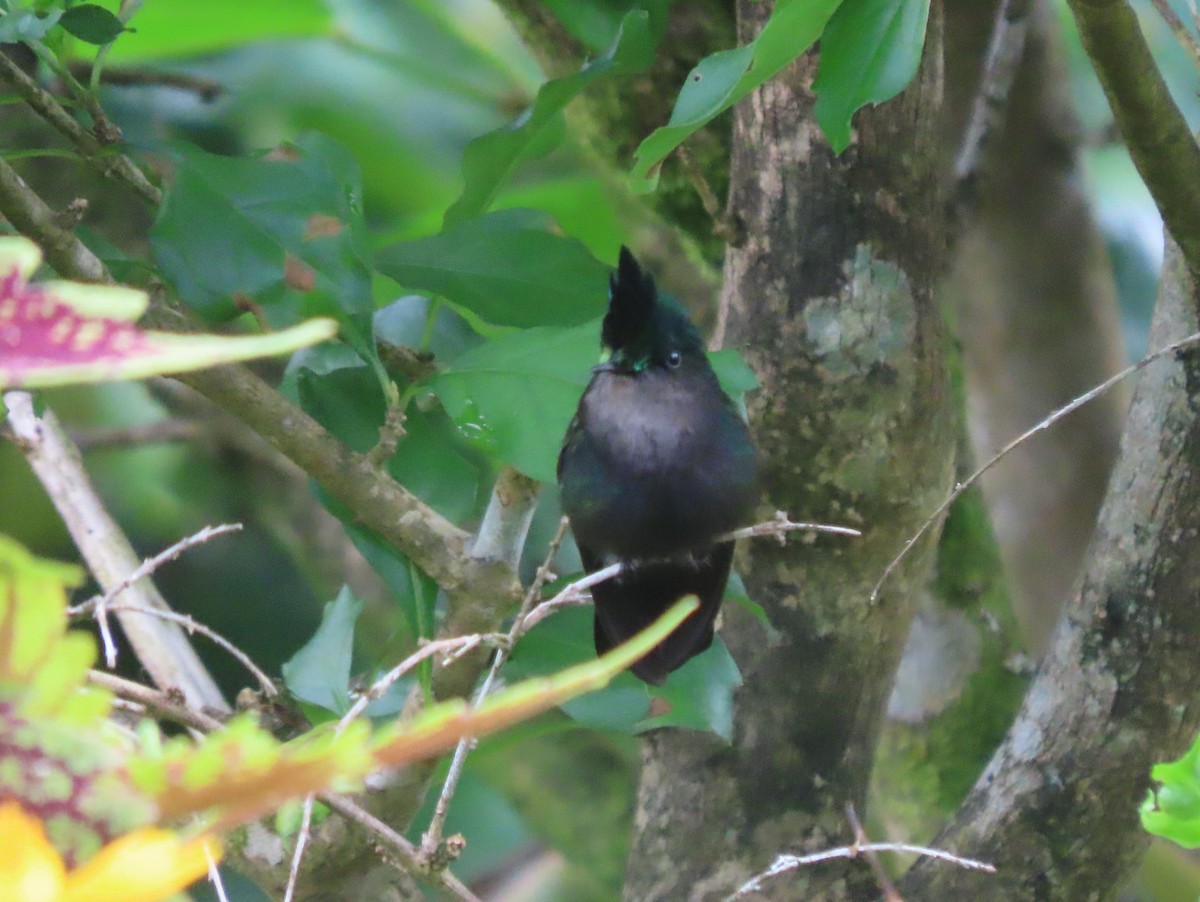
[(1173, 348), (162, 648), (114, 166), (1155, 132), (1004, 54), (1117, 690)]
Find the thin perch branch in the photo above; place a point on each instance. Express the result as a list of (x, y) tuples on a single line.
[(961, 487)]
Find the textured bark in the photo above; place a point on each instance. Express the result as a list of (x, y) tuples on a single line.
[(1036, 315), (831, 300), (1056, 809)]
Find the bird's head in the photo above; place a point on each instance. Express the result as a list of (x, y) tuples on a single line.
[(643, 330)]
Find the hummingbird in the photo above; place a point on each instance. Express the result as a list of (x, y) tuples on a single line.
[(656, 466)]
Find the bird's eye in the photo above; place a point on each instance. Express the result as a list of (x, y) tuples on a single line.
[(674, 359)]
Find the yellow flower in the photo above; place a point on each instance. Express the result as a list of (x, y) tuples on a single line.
[(146, 865)]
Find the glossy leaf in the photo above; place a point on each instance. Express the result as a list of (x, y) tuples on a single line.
[(284, 230), (722, 79), (1172, 809), (91, 23), (514, 396), (490, 159), (63, 333), (505, 270), (869, 53), (319, 673)]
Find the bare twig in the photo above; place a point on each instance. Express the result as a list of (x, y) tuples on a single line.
[(194, 626), (784, 863), (428, 650), (135, 436), (781, 525), (572, 594), (162, 648), (298, 853), (861, 842), (111, 165), (148, 566), (1179, 29), (1049, 421), (431, 840), (1000, 69), (214, 877), (207, 89), (410, 857), (156, 701)]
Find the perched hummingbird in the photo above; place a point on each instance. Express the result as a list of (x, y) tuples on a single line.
[(655, 466)]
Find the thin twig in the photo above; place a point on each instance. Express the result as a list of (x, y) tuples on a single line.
[(155, 700), (207, 89), (1004, 54), (214, 876), (572, 594), (961, 487), (162, 648), (1179, 29), (431, 840), (428, 650), (785, 863), (781, 525), (410, 857), (160, 431), (194, 626), (100, 603), (298, 852), (862, 842), (108, 163), (150, 564)]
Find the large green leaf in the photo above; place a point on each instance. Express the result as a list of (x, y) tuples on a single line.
[(319, 673), (285, 230), (490, 159), (722, 79), (171, 29), (515, 395), (504, 269), (1173, 808), (869, 53), (698, 696)]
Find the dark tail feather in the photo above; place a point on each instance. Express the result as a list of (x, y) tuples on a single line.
[(631, 602)]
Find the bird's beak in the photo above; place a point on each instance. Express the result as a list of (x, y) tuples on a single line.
[(606, 367)]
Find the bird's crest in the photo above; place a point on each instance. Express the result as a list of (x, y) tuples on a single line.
[(641, 325), (632, 298)]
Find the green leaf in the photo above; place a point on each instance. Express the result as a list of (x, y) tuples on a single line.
[(319, 673), (732, 371), (337, 389), (504, 270), (27, 25), (870, 51), (285, 230), (722, 79), (1173, 810), (490, 159), (515, 395), (172, 29), (91, 23), (698, 696)]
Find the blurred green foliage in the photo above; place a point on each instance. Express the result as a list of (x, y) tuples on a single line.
[(422, 186)]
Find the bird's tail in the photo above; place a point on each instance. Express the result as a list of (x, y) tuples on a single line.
[(631, 602)]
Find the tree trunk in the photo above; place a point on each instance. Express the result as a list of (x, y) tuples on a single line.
[(831, 298)]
